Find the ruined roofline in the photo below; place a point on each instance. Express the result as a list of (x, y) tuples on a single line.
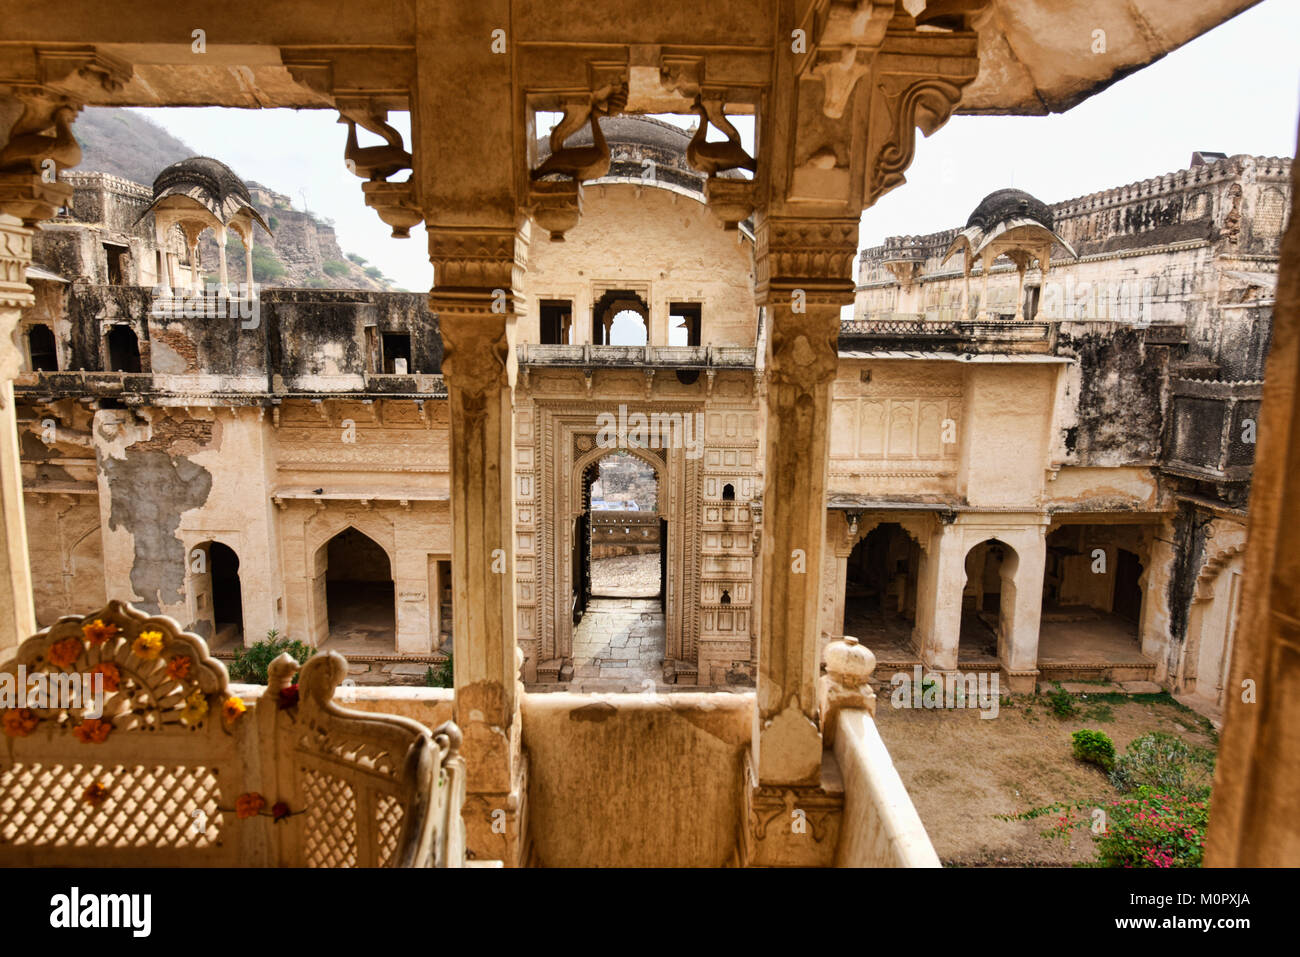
[(107, 181), (1223, 170), (1217, 172)]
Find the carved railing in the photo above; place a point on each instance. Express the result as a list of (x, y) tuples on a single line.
[(666, 357), (170, 768), (880, 826), (898, 327)]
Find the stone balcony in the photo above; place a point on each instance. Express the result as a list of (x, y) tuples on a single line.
[(915, 332), (656, 357), (1211, 429)]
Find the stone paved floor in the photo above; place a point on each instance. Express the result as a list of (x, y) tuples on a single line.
[(619, 646)]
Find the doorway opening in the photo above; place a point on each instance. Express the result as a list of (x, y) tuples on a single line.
[(880, 589), (356, 579), (988, 601)]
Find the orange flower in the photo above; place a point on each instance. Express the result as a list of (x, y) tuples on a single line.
[(179, 667), (232, 708), (148, 645), (65, 652), (97, 632), (95, 795), (93, 731), (20, 722), (112, 676), (249, 805)]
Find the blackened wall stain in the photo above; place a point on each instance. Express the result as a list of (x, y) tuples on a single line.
[(1120, 414), (1191, 525), (91, 308), (150, 491)]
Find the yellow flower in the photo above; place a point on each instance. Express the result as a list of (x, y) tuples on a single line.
[(148, 645), (196, 708), (232, 708)]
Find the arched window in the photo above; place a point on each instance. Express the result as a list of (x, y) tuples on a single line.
[(123, 350), (728, 492), (40, 346)]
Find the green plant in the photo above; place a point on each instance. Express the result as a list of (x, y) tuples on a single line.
[(335, 268), (1164, 762), (250, 663), (265, 266), (442, 677), (1061, 701), (1150, 829), (358, 259), (374, 272), (1094, 747), (273, 222)]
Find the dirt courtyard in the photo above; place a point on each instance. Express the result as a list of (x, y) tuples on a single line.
[(962, 771)]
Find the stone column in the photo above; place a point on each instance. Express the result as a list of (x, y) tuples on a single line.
[(223, 278), (805, 273), (938, 600), (248, 263), (472, 300), (1018, 648), (17, 616)]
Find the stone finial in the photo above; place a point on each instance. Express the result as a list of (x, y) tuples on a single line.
[(849, 665)]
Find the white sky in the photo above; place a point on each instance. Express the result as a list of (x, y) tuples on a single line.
[(1234, 90)]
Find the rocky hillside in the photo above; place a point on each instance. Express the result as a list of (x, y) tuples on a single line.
[(302, 250)]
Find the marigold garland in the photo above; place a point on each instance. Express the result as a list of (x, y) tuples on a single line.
[(97, 632), (196, 708), (93, 731), (232, 708), (96, 794), (19, 722), (112, 676), (249, 805), (65, 652), (178, 668), (148, 645)]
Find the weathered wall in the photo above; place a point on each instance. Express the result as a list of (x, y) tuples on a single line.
[(655, 780), (663, 245)]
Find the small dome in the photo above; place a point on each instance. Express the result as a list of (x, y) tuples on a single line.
[(209, 182), (1007, 204)]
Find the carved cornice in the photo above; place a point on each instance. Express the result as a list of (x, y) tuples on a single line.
[(814, 255), (473, 269)]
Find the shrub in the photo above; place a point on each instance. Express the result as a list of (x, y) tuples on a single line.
[(1164, 762), (1154, 830), (250, 663), (265, 266), (273, 222), (1094, 747), (356, 258), (335, 268), (374, 272), (440, 677), (1061, 701)]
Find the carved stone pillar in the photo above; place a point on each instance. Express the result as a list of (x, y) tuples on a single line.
[(805, 274), (17, 617), (472, 299)]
